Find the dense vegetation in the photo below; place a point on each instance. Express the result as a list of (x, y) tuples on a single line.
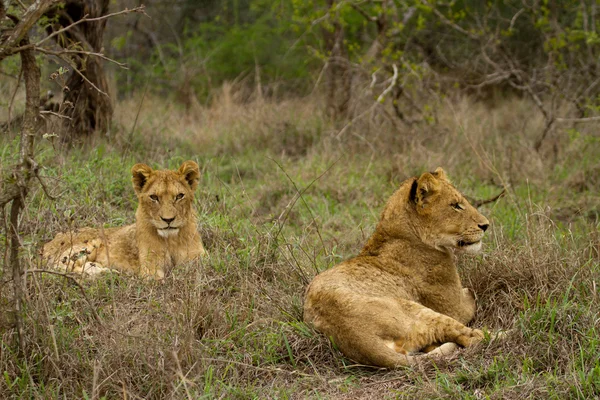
[(304, 117)]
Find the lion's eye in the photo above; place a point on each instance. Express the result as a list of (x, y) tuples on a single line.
[(458, 206), (154, 197), (179, 196)]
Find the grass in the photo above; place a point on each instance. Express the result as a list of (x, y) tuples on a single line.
[(231, 326)]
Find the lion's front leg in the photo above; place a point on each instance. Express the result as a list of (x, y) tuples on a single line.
[(152, 263), (469, 305)]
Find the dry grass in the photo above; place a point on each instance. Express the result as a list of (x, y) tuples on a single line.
[(231, 326)]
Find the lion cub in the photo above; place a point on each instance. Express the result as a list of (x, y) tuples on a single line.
[(165, 232), (402, 293)]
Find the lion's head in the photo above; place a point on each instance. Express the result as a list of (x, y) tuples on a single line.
[(448, 219), (432, 209), (165, 197)]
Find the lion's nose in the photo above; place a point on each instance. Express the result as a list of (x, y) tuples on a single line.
[(483, 227), (169, 220)]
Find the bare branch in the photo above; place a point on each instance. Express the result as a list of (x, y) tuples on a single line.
[(55, 114), (479, 203), (12, 50), (362, 12), (387, 90), (140, 9), (89, 82), (36, 170), (450, 23), (586, 119), (514, 18), (89, 53)]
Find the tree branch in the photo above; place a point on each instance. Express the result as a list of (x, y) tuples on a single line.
[(88, 53), (448, 22), (586, 119), (8, 50), (31, 16)]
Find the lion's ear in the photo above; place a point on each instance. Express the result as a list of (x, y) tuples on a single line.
[(424, 188), (140, 174), (191, 173), (440, 174)]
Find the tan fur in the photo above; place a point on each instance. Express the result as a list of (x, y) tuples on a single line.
[(402, 294), (164, 234)]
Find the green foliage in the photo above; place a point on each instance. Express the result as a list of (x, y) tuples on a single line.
[(246, 40), (543, 48)]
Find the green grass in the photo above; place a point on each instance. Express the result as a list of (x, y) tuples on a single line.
[(231, 326)]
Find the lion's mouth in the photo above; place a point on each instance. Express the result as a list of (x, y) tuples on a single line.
[(168, 231), (464, 243), (468, 246)]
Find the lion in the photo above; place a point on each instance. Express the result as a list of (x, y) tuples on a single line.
[(164, 234), (402, 294)]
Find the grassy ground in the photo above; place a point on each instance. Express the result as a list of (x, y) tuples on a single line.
[(231, 326)]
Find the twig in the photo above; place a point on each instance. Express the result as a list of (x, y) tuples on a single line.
[(479, 203), (56, 114), (448, 22), (387, 90), (137, 114), (586, 119), (362, 12), (88, 53), (36, 170), (86, 79), (514, 18), (320, 77), (353, 120)]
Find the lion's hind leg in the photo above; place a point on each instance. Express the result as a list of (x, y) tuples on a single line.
[(408, 328), (391, 332)]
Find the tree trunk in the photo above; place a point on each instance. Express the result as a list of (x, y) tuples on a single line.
[(91, 106), (338, 73)]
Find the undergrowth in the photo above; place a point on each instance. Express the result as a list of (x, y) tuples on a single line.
[(282, 197)]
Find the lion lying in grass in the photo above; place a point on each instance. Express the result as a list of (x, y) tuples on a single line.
[(164, 234), (402, 294)]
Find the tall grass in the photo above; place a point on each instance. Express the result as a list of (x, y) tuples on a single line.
[(283, 196)]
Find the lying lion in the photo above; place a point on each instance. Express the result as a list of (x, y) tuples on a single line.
[(402, 294), (164, 234)]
